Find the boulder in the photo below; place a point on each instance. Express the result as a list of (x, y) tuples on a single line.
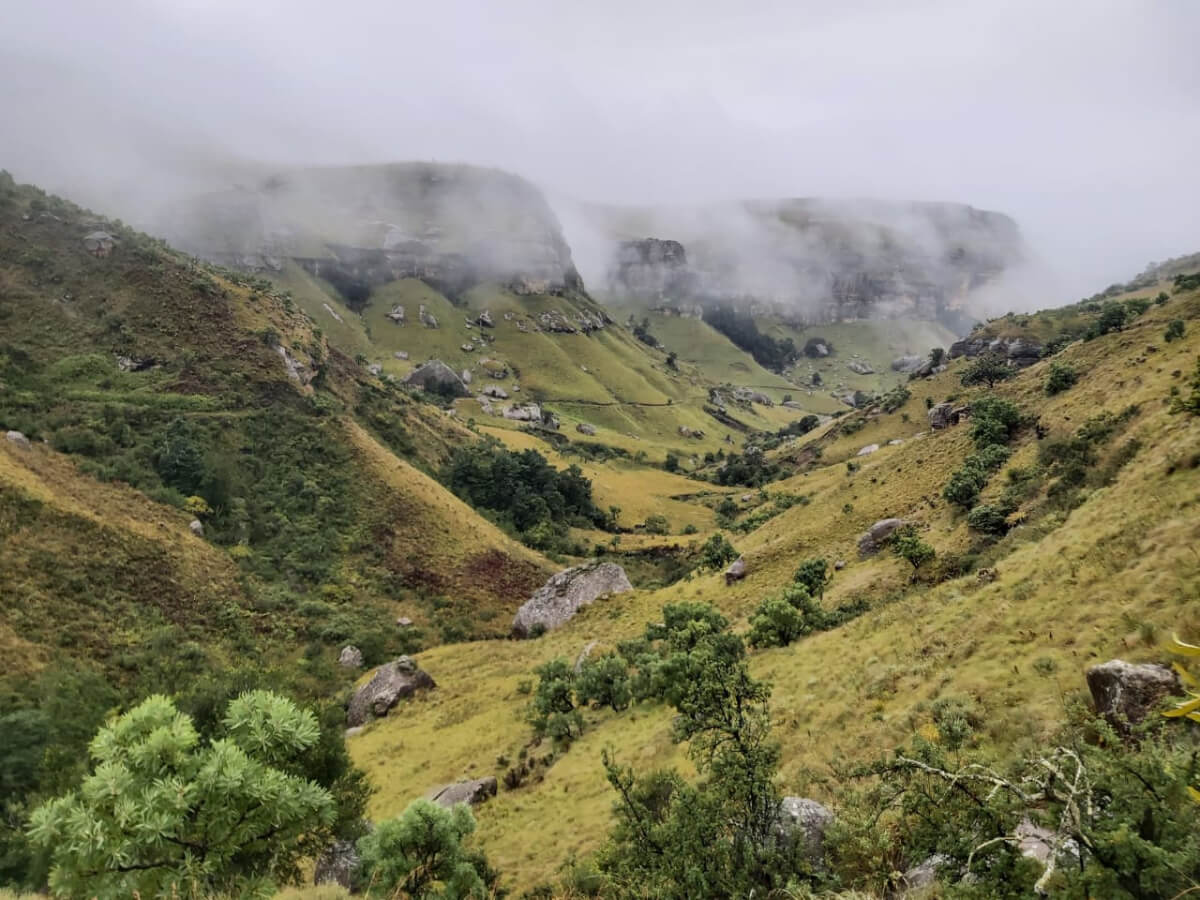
[(390, 684), (942, 416), (17, 439), (397, 316), (871, 540), (427, 318), (375, 369), (338, 864), (471, 792), (465, 375), (816, 347), (867, 450), (839, 565), (585, 428), (485, 319), (466, 348), (401, 354), (804, 822), (923, 874), (907, 364), (98, 243), (566, 592), (435, 375), (736, 571), (350, 657), (529, 412), (859, 367), (496, 392), (404, 622), (196, 527), (1125, 693)]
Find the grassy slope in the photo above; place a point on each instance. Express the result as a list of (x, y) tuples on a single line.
[(86, 555), (1071, 590)]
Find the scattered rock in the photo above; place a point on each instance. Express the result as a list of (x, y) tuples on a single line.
[(484, 319), (134, 364), (895, 442), (471, 792), (496, 392), (1018, 351), (400, 354), (867, 450), (435, 375), (986, 576), (427, 318), (350, 657), (871, 540), (397, 314), (839, 565), (375, 369), (805, 821), (196, 527), (404, 622), (466, 348), (338, 864), (18, 439), (390, 683), (1125, 693), (529, 412), (747, 395), (98, 243), (859, 367), (566, 592), (585, 428), (736, 571)]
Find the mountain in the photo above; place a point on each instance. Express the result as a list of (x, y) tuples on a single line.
[(220, 472)]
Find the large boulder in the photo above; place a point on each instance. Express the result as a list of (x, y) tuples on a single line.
[(98, 243), (390, 684), (859, 367), (1125, 693), (17, 439), (871, 540), (736, 571), (585, 428), (435, 376), (804, 822), (565, 593), (907, 364), (471, 792), (942, 416), (338, 864), (350, 657)]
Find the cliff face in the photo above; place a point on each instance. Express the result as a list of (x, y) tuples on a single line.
[(453, 226), (813, 260)]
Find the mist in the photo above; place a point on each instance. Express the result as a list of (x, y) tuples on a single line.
[(1082, 124)]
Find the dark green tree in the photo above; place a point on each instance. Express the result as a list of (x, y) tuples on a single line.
[(604, 681), (813, 574), (907, 545), (989, 369), (553, 712)]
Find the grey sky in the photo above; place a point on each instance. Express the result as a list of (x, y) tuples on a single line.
[(1080, 119)]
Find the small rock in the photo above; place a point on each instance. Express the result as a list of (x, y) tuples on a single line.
[(867, 450), (350, 657), (585, 428), (375, 369), (495, 392), (471, 792), (839, 565), (860, 368), (895, 442), (466, 348), (924, 874), (18, 439), (196, 527), (465, 376), (397, 316), (401, 354), (404, 622), (338, 864), (485, 319), (737, 571), (355, 731)]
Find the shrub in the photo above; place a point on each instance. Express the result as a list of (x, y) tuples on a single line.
[(776, 623), (813, 574), (1061, 377), (987, 519), (656, 525), (1112, 318), (1175, 330), (604, 681), (994, 420), (907, 545), (1162, 298), (422, 854), (1190, 403), (552, 711), (989, 368), (895, 398), (964, 486)]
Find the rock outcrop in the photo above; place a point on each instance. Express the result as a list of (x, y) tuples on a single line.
[(437, 377), (651, 268), (472, 792), (1125, 693), (873, 539), (1018, 351), (942, 415), (565, 593), (390, 684), (98, 243), (350, 657), (907, 364)]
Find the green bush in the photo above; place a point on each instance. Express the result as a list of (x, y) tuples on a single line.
[(1175, 330), (994, 420), (717, 552), (987, 519), (988, 368), (1061, 377), (604, 681), (552, 711)]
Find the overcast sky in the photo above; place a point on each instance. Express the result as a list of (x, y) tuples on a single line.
[(1080, 119)]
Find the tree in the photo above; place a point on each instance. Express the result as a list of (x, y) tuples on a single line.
[(1175, 331), (421, 854), (964, 486), (936, 356), (552, 711), (813, 575), (907, 545), (604, 681), (988, 369), (671, 463), (994, 420), (717, 552), (673, 360), (1112, 317), (987, 520), (162, 811)]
